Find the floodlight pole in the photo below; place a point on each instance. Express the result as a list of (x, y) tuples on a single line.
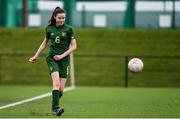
[(70, 8), (24, 13), (164, 5), (84, 16), (173, 14), (129, 15), (3, 18)]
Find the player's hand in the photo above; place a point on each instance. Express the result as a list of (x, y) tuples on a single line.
[(32, 59), (57, 57)]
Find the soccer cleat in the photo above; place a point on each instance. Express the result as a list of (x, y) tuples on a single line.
[(58, 112)]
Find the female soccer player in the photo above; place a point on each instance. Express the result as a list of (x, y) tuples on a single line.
[(61, 37)]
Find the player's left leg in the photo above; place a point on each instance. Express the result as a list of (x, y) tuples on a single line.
[(63, 73), (60, 110)]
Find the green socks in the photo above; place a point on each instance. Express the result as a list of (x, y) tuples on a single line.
[(55, 99), (60, 94), (56, 95)]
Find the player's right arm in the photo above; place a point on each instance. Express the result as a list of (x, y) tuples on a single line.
[(39, 51)]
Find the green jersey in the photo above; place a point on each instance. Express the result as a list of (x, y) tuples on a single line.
[(60, 38)]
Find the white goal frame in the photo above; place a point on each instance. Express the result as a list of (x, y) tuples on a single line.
[(72, 74)]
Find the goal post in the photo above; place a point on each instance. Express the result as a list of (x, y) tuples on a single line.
[(72, 76)]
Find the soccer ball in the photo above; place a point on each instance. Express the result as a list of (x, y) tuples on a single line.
[(135, 65)]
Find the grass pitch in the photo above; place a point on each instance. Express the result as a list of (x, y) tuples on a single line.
[(94, 102)]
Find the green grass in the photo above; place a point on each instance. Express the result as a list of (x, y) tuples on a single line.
[(95, 71), (13, 93), (96, 102), (98, 41)]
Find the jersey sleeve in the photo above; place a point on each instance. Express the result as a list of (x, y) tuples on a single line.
[(71, 33), (47, 33)]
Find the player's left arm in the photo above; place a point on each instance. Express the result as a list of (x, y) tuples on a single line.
[(73, 47)]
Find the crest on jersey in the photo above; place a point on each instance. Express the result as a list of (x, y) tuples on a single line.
[(63, 34), (52, 34), (51, 68)]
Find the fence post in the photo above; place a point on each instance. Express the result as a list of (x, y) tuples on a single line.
[(126, 72)]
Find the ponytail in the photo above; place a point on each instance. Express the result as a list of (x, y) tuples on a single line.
[(57, 10)]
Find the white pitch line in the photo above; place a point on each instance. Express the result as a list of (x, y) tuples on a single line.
[(33, 98)]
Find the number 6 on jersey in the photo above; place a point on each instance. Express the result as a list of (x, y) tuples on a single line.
[(57, 39)]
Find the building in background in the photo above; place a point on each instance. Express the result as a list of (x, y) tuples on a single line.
[(93, 13)]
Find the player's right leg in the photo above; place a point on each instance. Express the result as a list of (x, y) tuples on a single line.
[(54, 71), (56, 109), (55, 91)]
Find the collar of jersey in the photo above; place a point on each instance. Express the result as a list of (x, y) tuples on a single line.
[(59, 26)]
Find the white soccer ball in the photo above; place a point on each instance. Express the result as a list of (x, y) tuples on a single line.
[(135, 65)]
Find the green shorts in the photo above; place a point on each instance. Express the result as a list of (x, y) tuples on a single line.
[(61, 66)]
